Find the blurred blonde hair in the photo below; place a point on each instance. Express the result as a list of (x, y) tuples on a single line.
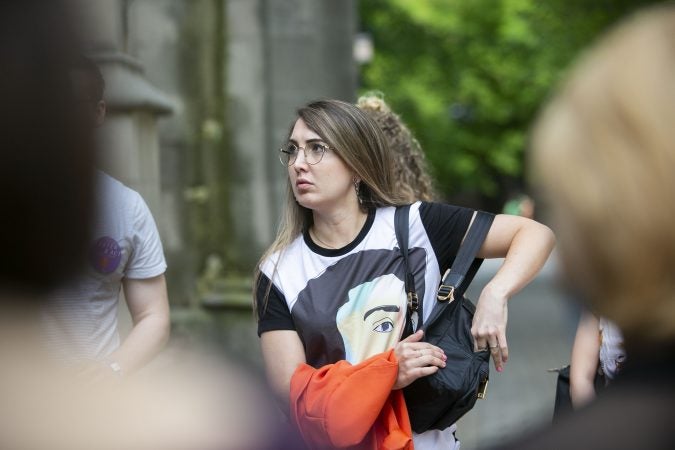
[(604, 151), (410, 167)]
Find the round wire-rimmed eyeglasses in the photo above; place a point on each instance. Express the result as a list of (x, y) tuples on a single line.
[(313, 151)]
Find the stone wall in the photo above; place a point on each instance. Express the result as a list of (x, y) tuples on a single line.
[(236, 70)]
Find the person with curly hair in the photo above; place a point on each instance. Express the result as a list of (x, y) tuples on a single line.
[(410, 165)]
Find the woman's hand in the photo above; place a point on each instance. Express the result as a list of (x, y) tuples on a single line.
[(416, 359), (525, 245), (489, 326)]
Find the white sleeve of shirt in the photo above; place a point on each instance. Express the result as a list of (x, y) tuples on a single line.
[(147, 259)]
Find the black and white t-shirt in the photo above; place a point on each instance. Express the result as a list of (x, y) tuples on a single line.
[(350, 303)]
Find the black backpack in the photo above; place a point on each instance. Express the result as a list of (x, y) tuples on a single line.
[(439, 400)]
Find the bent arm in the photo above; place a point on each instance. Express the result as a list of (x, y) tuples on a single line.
[(584, 362), (148, 304), (282, 352), (525, 246)]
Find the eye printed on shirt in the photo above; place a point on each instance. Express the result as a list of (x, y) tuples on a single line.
[(372, 318)]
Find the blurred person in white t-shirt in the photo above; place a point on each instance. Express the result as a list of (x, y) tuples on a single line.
[(125, 252)]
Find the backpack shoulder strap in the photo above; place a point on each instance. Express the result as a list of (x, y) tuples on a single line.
[(464, 267), (402, 229)]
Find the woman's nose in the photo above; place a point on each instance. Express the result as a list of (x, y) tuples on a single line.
[(300, 159)]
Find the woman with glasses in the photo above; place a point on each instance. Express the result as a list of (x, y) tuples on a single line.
[(329, 291)]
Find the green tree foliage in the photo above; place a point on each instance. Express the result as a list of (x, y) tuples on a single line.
[(468, 76)]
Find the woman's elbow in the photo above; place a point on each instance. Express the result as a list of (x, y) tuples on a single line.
[(547, 236)]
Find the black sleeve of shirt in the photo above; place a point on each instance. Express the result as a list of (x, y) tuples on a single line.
[(445, 226), (273, 312)]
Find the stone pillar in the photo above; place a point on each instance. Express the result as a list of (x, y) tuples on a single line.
[(167, 36), (129, 137), (129, 140), (281, 55)]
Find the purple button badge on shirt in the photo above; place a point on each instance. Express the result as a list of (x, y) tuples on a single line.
[(106, 255)]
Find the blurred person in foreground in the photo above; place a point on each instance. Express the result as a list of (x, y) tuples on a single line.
[(125, 251), (604, 153), (46, 186)]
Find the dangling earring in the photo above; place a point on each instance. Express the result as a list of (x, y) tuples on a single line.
[(357, 188)]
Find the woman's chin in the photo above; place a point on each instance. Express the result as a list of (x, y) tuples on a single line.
[(306, 204), (307, 201)]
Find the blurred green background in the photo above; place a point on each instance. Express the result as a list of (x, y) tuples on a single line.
[(468, 77)]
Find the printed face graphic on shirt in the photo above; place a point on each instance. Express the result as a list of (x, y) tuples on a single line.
[(349, 311), (372, 318)]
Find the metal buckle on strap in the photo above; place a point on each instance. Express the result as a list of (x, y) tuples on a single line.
[(413, 301), (482, 388), (446, 293)]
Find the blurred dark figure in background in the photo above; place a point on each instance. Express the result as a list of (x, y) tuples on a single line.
[(46, 186), (604, 151)]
